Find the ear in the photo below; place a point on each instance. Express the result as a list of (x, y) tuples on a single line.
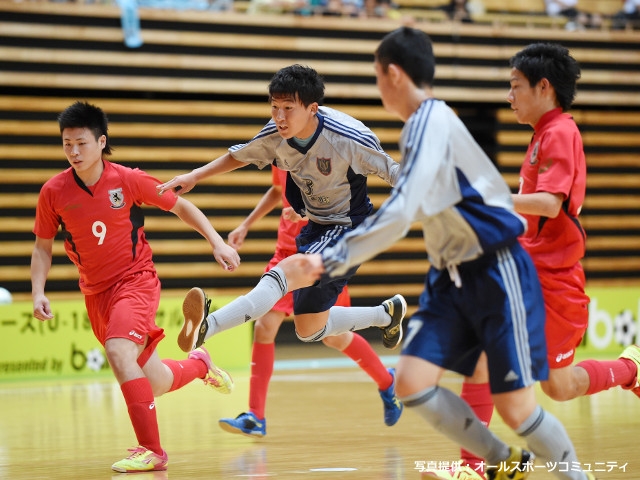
[(545, 86), (395, 73), (313, 108)]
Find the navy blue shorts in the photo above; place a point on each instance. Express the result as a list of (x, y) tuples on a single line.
[(321, 296), (498, 309)]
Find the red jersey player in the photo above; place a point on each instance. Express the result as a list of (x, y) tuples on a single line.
[(552, 189), (253, 422), (97, 206)]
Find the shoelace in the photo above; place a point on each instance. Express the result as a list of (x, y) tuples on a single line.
[(209, 379), (136, 452)]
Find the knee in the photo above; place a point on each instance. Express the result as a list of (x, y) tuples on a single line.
[(314, 337), (115, 355), (265, 331), (560, 392), (338, 342)]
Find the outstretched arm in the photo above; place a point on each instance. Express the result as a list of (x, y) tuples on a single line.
[(270, 200), (185, 182), (226, 256)]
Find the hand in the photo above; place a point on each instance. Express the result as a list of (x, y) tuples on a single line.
[(302, 270), (288, 213), (179, 185), (314, 264), (42, 308), (227, 257), (237, 236)]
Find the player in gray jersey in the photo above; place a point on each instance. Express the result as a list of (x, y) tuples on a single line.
[(328, 156), (481, 292)]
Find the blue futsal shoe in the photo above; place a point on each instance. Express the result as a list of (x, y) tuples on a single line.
[(392, 404), (245, 424)]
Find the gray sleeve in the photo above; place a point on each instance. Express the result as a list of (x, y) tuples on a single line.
[(261, 149), (426, 185)]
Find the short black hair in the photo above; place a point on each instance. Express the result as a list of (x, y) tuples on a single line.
[(553, 62), (411, 49), (297, 81), (85, 115)]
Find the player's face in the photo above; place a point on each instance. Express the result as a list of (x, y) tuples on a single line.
[(292, 118), (524, 99), (84, 152)]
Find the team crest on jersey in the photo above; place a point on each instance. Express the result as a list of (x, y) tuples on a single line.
[(534, 154), (324, 165), (116, 197)]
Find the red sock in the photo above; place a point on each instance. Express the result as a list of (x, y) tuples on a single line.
[(138, 396), (478, 396), (262, 358), (185, 371), (604, 375), (367, 359)]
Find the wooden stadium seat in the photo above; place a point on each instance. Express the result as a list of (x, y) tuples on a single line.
[(198, 85)]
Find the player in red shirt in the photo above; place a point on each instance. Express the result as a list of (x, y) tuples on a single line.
[(253, 422), (552, 191), (96, 205)]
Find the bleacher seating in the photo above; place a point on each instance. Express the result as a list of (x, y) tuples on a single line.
[(198, 85)]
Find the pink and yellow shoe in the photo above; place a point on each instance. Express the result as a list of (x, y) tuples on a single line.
[(462, 472), (632, 352), (216, 378), (142, 460)]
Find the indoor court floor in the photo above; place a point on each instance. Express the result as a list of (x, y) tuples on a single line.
[(324, 422)]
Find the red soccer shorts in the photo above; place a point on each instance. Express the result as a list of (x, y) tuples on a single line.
[(567, 312), (128, 310)]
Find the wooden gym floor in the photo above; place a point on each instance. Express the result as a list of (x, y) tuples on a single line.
[(324, 422)]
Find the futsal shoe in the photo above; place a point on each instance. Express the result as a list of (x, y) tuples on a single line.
[(245, 424), (632, 352), (462, 472), (396, 307), (392, 404), (195, 309), (216, 377), (141, 460), (517, 466)]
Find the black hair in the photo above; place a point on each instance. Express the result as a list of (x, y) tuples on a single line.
[(85, 115), (553, 62), (411, 50), (297, 81)]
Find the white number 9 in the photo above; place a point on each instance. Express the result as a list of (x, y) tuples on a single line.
[(99, 229)]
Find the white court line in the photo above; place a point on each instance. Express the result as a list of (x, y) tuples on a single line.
[(325, 363)]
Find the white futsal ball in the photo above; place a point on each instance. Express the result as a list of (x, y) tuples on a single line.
[(5, 296)]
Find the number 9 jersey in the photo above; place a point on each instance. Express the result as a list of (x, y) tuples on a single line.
[(102, 225)]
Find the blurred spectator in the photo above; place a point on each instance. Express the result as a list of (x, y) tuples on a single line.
[(576, 18), (628, 17), (381, 9), (343, 8), (130, 21), (458, 11), (216, 5), (301, 7)]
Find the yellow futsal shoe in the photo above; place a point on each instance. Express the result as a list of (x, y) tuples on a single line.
[(142, 460), (517, 466), (396, 308), (632, 352), (216, 378)]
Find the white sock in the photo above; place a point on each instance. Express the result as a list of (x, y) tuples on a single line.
[(349, 319), (271, 288), (548, 439)]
